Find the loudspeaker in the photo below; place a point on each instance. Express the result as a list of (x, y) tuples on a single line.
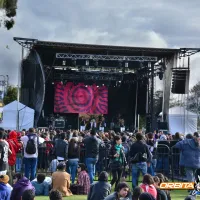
[(180, 81), (162, 126), (59, 123)]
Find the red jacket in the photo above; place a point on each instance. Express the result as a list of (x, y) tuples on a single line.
[(14, 146)]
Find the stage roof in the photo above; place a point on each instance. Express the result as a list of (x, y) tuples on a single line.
[(95, 49)]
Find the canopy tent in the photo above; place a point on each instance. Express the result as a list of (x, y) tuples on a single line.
[(182, 120), (10, 112)]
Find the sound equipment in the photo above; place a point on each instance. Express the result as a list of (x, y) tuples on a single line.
[(162, 126), (59, 123), (180, 81)]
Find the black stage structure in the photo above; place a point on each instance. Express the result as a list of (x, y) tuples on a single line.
[(128, 72)]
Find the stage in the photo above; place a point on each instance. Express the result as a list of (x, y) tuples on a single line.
[(126, 74)]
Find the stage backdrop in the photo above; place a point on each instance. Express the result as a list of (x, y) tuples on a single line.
[(72, 98)]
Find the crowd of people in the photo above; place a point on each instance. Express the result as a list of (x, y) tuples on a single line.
[(73, 171)]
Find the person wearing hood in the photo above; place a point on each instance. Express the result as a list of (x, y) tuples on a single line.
[(14, 146), (190, 156), (5, 191), (20, 185)]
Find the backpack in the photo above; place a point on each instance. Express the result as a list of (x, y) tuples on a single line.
[(126, 148), (31, 146)]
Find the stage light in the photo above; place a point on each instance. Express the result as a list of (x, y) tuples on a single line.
[(126, 64), (87, 62), (97, 86), (102, 84), (96, 63), (74, 62), (86, 86), (119, 81), (64, 62), (52, 83), (61, 82), (120, 63)]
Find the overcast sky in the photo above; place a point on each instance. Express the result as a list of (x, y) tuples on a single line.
[(152, 23)]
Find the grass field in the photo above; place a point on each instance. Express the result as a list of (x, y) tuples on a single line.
[(176, 195)]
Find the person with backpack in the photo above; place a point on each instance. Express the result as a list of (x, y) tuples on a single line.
[(140, 157), (31, 142)]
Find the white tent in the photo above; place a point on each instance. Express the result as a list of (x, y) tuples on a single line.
[(181, 120), (26, 116)]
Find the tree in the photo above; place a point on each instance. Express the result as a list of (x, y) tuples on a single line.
[(9, 8), (11, 95)]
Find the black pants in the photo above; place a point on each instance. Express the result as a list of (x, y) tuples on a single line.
[(116, 175)]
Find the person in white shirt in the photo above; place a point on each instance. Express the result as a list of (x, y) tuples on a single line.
[(30, 143)]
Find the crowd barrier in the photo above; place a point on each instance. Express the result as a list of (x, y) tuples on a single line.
[(167, 161)]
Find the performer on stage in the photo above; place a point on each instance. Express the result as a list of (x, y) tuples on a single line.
[(82, 124), (122, 126), (102, 125), (93, 123)]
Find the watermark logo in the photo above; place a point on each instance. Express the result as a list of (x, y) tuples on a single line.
[(177, 186)]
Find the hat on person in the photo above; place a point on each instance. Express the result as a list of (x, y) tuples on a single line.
[(4, 179), (190, 197)]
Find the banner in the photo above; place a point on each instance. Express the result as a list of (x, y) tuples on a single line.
[(72, 98)]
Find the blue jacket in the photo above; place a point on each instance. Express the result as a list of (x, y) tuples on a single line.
[(41, 189), (4, 192), (190, 153)]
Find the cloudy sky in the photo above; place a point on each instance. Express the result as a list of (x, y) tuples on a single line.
[(152, 23)]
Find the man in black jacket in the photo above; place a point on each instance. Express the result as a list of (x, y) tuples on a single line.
[(140, 158), (91, 144)]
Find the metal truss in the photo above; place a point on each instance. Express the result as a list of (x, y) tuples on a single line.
[(105, 57), (26, 42), (95, 69), (185, 52), (95, 77)]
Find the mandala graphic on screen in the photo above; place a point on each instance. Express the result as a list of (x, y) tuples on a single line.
[(72, 98)]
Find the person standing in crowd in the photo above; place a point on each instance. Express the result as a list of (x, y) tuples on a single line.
[(148, 185), (118, 160), (4, 150), (31, 142), (20, 185), (73, 158), (92, 144), (140, 157), (61, 180), (83, 179), (152, 144), (55, 195), (15, 147), (122, 192), (190, 156), (162, 136), (61, 147), (41, 186), (5, 191), (101, 189), (28, 195)]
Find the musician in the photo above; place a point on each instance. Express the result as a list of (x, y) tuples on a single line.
[(122, 126), (102, 125), (93, 123), (82, 124)]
